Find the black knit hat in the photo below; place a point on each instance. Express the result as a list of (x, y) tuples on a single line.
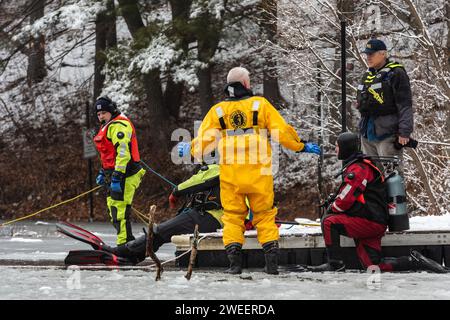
[(349, 144), (105, 104)]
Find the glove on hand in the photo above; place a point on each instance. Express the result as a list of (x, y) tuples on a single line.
[(184, 148), (100, 180), (311, 148), (116, 180), (172, 201)]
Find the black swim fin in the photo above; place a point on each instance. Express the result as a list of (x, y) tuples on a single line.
[(424, 263), (93, 257), (80, 234)]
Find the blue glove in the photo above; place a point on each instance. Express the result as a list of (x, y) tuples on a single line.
[(116, 179), (100, 180), (184, 148), (311, 148)]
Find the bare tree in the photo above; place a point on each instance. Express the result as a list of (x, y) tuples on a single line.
[(105, 38), (37, 69), (269, 28), (181, 32), (152, 80), (418, 38), (437, 53), (207, 28)]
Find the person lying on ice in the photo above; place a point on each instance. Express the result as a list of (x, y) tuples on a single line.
[(360, 211), (121, 170), (243, 122), (202, 207)]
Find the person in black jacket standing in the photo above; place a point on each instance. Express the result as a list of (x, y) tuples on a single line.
[(385, 102)]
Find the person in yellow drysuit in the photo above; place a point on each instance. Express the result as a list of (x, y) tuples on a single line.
[(117, 145), (240, 127)]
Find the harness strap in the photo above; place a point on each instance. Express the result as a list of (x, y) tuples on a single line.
[(397, 199), (255, 109), (219, 113), (373, 166)]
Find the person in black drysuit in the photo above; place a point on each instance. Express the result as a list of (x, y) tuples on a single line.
[(202, 207)]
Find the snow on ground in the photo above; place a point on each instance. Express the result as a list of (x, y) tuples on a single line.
[(37, 282), (24, 240), (430, 222), (418, 223), (52, 283)]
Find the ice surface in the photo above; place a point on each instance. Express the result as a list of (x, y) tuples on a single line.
[(40, 282), (34, 241), (53, 283)]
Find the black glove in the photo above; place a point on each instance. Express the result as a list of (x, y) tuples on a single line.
[(329, 210), (327, 203), (411, 144)]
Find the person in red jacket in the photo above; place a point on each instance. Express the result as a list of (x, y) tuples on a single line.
[(359, 211), (121, 170)]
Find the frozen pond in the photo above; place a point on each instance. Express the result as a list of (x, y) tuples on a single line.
[(54, 283), (35, 243)]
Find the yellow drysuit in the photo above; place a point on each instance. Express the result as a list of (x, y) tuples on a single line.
[(240, 129)]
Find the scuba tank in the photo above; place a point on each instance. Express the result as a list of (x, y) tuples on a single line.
[(398, 215)]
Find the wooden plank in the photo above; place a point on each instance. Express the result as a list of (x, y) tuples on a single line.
[(410, 238)]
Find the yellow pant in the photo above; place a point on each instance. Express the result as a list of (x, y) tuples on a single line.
[(259, 191), (119, 207)]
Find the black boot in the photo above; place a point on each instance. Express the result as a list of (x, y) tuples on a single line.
[(133, 250), (271, 251), (235, 256), (414, 262), (334, 263), (331, 265), (423, 263)]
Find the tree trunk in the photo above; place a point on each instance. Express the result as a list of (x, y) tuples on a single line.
[(208, 32), (158, 121), (173, 94), (447, 50), (105, 37), (132, 16), (37, 69), (434, 207), (270, 79), (205, 90), (447, 14), (158, 114)]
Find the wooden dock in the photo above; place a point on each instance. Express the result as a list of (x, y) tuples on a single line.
[(310, 248)]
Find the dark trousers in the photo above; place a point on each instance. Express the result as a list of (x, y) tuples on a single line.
[(366, 234), (184, 223)]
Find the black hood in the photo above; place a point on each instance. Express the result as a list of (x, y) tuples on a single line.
[(353, 157), (349, 146), (236, 90)]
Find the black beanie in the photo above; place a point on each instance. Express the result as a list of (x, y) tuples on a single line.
[(105, 104), (349, 144)]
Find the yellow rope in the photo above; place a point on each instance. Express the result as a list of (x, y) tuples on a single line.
[(140, 215), (51, 207)]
